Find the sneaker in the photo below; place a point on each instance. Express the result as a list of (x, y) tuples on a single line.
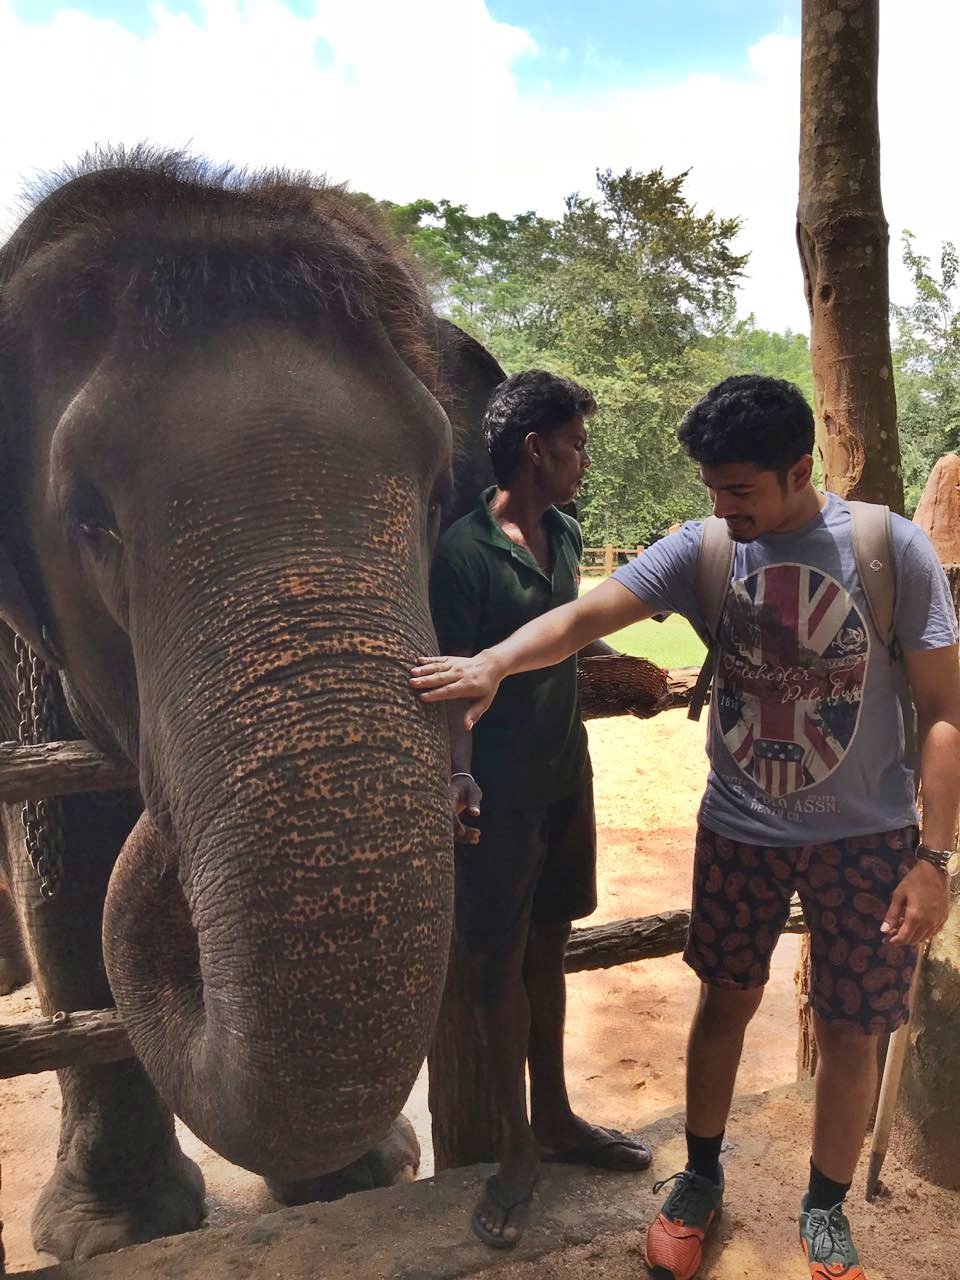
[(674, 1248), (828, 1244)]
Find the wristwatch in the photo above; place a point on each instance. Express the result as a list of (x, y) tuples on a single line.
[(940, 858)]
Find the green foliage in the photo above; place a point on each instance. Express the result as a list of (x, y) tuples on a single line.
[(630, 291), (926, 360)]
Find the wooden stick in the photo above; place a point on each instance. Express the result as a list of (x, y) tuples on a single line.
[(95, 1036), (889, 1090)]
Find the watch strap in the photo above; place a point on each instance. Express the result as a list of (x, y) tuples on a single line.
[(940, 858)]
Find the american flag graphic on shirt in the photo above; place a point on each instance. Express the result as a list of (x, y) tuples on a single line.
[(794, 652)]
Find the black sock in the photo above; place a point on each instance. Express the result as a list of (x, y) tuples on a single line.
[(703, 1155), (824, 1193)]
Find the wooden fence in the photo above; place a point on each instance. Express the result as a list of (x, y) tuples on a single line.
[(605, 559), (82, 1038)]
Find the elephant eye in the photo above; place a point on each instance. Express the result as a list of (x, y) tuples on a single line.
[(94, 520), (96, 532)]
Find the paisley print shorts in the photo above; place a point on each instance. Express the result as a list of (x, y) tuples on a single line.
[(741, 899)]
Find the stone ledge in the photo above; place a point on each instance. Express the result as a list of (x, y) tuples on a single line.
[(420, 1231)]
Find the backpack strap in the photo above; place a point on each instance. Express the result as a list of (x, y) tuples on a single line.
[(714, 567), (873, 552)]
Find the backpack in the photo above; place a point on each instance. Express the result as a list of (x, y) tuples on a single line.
[(873, 553)]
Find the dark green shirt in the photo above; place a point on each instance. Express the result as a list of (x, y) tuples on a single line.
[(530, 748)]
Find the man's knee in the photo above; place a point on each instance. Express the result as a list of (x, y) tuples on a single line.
[(844, 1045), (723, 1009)]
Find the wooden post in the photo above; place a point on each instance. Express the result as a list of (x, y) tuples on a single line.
[(927, 1131), (608, 559), (842, 238)]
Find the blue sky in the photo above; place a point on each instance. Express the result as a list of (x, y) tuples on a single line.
[(499, 104), (628, 41), (643, 41)]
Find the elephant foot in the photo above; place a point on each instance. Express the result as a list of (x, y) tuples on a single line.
[(395, 1159), (14, 972), (73, 1222)]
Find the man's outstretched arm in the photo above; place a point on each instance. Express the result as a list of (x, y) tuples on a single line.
[(541, 643)]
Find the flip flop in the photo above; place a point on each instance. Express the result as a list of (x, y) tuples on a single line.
[(607, 1149), (517, 1209)]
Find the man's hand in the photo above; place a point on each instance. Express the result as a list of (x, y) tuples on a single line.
[(446, 679), (919, 906), (465, 796)]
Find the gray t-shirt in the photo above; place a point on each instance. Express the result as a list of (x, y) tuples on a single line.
[(806, 737)]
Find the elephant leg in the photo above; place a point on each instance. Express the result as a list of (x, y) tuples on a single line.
[(395, 1159), (14, 966), (120, 1176)]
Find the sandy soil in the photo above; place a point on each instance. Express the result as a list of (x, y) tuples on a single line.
[(627, 1026)]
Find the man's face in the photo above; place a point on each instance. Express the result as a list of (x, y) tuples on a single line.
[(564, 460), (755, 502)]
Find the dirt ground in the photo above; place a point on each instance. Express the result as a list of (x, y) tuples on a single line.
[(626, 1026)]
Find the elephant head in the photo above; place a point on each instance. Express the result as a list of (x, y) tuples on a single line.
[(223, 463)]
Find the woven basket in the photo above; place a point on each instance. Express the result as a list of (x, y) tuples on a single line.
[(622, 686)]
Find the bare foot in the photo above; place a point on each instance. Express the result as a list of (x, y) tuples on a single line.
[(578, 1142)]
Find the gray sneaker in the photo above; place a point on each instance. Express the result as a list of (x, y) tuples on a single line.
[(828, 1244)]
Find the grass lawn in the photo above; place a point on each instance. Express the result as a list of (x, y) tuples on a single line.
[(673, 643)]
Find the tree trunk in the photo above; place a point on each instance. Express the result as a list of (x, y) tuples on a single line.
[(927, 1132), (842, 238)]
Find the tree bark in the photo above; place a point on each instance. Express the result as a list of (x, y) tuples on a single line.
[(66, 1040), (465, 1122), (59, 768), (842, 237), (926, 1136)]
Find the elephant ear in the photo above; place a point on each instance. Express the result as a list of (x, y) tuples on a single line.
[(16, 608), (19, 614)]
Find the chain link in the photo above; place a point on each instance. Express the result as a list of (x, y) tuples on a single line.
[(42, 819)]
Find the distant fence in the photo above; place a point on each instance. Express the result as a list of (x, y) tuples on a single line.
[(605, 559)]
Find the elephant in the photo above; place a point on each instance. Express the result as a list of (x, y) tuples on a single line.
[(231, 428)]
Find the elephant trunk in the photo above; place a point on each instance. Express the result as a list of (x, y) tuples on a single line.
[(277, 924)]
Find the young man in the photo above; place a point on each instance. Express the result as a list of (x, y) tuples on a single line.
[(807, 790), (530, 869)]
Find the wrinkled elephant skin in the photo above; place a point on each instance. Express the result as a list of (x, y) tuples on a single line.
[(225, 459)]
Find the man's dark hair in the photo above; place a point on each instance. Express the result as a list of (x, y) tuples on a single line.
[(749, 418), (532, 400)]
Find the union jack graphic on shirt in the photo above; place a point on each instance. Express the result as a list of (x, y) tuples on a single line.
[(794, 653)]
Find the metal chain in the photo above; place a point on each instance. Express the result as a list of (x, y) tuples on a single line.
[(42, 819)]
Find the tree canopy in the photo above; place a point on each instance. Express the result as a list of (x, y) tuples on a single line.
[(632, 291)]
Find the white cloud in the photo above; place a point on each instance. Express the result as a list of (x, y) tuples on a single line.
[(421, 97)]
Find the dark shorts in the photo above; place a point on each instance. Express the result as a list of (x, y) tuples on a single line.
[(741, 899), (530, 864)]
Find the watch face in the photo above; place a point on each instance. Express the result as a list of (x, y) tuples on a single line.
[(953, 864)]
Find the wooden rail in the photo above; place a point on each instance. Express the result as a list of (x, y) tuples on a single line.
[(96, 1036), (57, 769), (606, 556), (63, 768)]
